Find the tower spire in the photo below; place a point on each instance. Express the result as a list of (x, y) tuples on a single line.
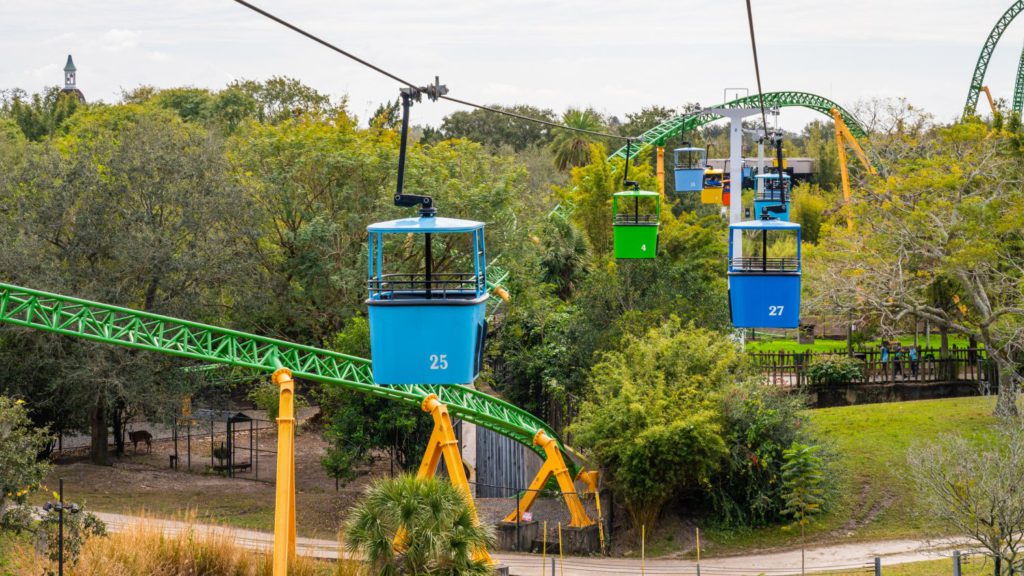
[(69, 74)]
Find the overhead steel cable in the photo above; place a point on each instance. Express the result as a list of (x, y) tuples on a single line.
[(401, 80), (319, 40), (757, 68), (538, 120)]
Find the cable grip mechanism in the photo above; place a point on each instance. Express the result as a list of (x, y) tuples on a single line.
[(409, 94)]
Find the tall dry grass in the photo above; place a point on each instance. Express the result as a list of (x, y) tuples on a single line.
[(145, 549)]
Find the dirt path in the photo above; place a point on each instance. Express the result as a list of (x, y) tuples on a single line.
[(819, 559)]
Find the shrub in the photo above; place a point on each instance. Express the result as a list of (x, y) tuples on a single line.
[(440, 529), (760, 423), (652, 421), (20, 471), (79, 527), (834, 370)]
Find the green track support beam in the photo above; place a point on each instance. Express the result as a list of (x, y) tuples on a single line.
[(141, 330), (978, 80), (658, 135), (1018, 87)]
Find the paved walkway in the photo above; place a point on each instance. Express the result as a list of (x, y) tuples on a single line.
[(859, 556)]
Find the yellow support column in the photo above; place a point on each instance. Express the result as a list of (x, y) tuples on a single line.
[(590, 479), (444, 444), (660, 170), (554, 465), (284, 506), (843, 137)]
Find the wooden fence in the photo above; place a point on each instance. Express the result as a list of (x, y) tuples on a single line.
[(961, 365)]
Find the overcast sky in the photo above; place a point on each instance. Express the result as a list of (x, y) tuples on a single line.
[(615, 56)]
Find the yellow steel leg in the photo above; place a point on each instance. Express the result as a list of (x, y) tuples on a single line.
[(590, 478), (284, 506), (554, 464), (660, 170), (444, 444), (844, 175)]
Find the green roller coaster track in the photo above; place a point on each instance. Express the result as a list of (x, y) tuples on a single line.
[(978, 80), (658, 135), (134, 329), (1018, 87)]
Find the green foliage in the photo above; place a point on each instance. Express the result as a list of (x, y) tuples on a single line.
[(79, 526), (536, 356), (41, 115), (281, 98), (130, 206), (969, 482), (574, 149), (761, 421), (947, 213), (387, 116), (834, 370), (590, 191), (565, 259), (818, 139), (648, 117), (809, 206), (802, 479), (191, 104), (651, 420), (440, 527), (267, 396), (357, 426), (498, 130), (21, 471)]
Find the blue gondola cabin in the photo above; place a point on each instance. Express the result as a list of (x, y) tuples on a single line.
[(690, 164), (771, 192), (427, 326), (764, 290)]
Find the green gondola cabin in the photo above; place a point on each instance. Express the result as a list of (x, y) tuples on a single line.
[(635, 219)]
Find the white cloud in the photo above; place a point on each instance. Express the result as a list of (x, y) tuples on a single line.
[(549, 53), (116, 40)]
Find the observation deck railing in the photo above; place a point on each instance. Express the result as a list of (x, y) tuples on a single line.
[(625, 219), (441, 286), (757, 264)]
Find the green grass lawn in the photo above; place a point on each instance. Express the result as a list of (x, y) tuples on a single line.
[(790, 345), (876, 495)]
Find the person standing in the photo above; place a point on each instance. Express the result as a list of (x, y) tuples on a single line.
[(885, 360), (913, 361), (897, 361)]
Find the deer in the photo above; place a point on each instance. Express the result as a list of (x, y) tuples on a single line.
[(141, 436)]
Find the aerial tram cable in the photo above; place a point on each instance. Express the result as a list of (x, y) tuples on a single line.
[(764, 292), (757, 68), (760, 97), (325, 43), (413, 86)]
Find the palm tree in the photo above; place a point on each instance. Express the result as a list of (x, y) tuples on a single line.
[(572, 148), (440, 529), (566, 255)]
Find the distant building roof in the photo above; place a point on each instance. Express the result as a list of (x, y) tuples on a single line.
[(70, 66)]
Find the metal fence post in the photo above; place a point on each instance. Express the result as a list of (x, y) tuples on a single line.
[(878, 566), (998, 564), (956, 563), (518, 515)]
